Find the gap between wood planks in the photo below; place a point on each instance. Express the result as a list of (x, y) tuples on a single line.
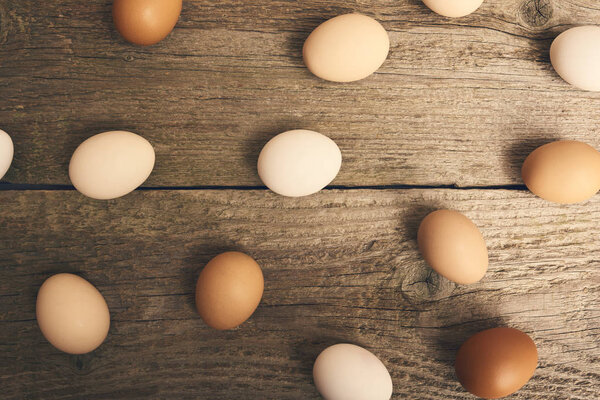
[(34, 187)]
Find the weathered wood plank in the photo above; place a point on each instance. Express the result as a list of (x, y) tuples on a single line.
[(458, 101), (339, 266)]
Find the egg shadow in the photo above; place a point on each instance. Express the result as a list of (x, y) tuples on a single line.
[(518, 152), (193, 264), (260, 138), (412, 217), (306, 351), (304, 26), (445, 340)]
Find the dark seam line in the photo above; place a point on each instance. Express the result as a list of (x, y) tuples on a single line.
[(34, 187)]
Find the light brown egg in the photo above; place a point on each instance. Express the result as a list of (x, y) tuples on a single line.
[(145, 22), (346, 48), (564, 172), (496, 362), (228, 290), (72, 314), (453, 246)]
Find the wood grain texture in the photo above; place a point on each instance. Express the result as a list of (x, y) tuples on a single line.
[(459, 101), (340, 266)]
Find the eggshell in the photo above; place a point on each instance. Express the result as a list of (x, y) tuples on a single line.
[(496, 363), (575, 56), (111, 164), (228, 290), (6, 153), (72, 314), (346, 48), (145, 22), (453, 246), (349, 372), (565, 171), (299, 163), (453, 8)]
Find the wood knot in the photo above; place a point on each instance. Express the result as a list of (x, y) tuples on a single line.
[(536, 13), (424, 284)]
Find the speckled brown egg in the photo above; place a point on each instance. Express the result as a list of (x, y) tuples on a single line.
[(145, 22), (565, 171), (496, 362), (228, 290), (453, 246)]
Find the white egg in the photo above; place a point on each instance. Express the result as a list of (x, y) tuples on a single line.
[(6, 152), (299, 162), (453, 8), (575, 56), (346, 48), (111, 164), (349, 372)]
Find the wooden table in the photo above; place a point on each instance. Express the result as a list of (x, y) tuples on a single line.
[(446, 122)]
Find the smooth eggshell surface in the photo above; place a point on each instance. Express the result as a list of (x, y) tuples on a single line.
[(228, 290), (566, 171), (298, 163), (72, 314), (111, 164), (496, 363), (145, 22), (575, 56), (346, 48), (349, 372), (453, 246), (453, 8), (6, 152)]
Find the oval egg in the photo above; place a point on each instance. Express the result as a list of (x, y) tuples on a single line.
[(72, 314), (6, 153), (229, 290), (453, 8), (453, 246), (496, 363), (349, 372), (575, 56), (346, 48), (299, 163), (145, 22), (111, 164), (565, 171)]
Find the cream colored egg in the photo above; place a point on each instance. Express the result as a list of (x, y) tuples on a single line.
[(346, 48), (111, 164), (72, 314), (453, 8), (6, 152), (453, 246), (299, 163), (349, 372), (575, 56)]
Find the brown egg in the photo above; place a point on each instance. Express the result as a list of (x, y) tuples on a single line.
[(72, 314), (497, 362), (564, 172), (145, 22), (229, 289), (453, 246)]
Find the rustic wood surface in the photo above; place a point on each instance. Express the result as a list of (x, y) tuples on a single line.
[(340, 266), (459, 101), (458, 104)]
